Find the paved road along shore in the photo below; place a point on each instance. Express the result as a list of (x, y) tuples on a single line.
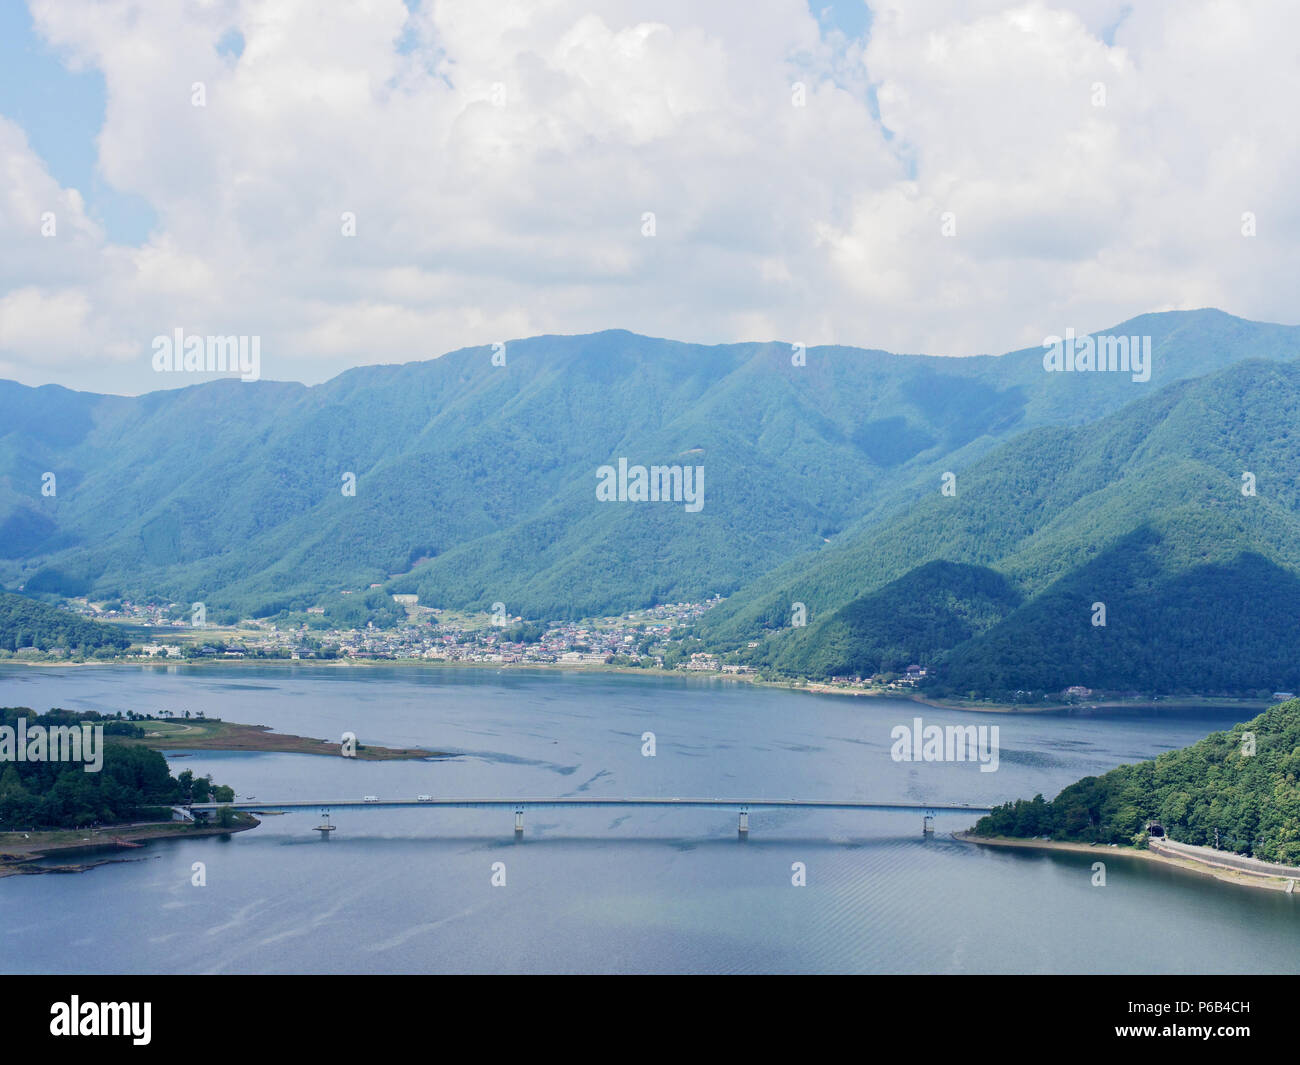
[(1225, 859)]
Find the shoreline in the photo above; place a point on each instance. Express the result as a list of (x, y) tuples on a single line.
[(18, 857), (1183, 702), (1238, 878)]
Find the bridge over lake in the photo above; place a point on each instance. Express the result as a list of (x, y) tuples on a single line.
[(742, 807)]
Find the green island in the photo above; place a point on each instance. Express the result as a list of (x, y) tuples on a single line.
[(1235, 795)]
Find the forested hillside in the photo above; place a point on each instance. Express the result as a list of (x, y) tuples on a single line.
[(914, 619), (475, 483), (1245, 783), (25, 622), (1155, 549)]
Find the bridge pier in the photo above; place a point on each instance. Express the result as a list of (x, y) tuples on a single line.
[(519, 824), (743, 829), (927, 825), (325, 828)]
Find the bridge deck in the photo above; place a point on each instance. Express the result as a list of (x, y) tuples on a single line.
[(595, 801)]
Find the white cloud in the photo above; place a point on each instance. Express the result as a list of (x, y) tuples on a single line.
[(478, 222)]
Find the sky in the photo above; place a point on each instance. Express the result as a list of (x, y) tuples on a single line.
[(382, 181)]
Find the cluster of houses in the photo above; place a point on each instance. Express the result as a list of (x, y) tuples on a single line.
[(907, 679), (146, 614), (431, 637)]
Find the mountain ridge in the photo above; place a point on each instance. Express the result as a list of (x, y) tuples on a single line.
[(1060, 513), (229, 492)]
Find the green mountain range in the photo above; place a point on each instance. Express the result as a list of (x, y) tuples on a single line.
[(1143, 513), (823, 485)]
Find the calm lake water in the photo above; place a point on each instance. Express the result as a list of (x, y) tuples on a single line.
[(641, 890)]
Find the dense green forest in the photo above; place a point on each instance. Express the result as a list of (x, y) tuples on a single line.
[(25, 622), (1230, 628), (1245, 783), (133, 783), (1054, 497), (1130, 554), (475, 483), (911, 620)]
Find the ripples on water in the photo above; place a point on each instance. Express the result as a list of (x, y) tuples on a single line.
[(646, 890)]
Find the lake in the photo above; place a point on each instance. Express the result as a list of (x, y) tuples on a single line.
[(637, 890)]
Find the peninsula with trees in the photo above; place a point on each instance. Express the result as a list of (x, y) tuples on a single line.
[(1235, 794)]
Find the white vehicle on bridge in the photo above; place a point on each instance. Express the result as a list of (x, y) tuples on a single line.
[(424, 798), (371, 798)]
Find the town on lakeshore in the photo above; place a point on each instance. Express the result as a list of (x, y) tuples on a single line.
[(650, 638), (658, 639)]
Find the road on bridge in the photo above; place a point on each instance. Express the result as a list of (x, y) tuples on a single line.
[(741, 806), (578, 801)]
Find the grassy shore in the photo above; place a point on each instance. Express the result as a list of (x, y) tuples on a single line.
[(20, 851), (1098, 850), (191, 734)]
